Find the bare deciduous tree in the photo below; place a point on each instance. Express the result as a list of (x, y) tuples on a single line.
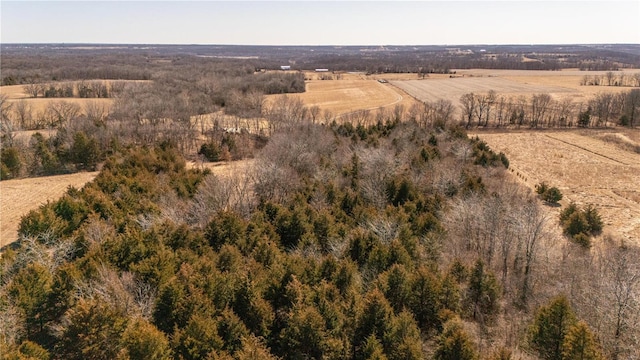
[(23, 113), (531, 230), (540, 104), (468, 106), (96, 112), (61, 112)]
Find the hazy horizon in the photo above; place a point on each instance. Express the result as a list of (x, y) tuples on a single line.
[(320, 23)]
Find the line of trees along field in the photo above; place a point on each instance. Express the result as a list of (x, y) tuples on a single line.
[(314, 253), (542, 111), (191, 110)]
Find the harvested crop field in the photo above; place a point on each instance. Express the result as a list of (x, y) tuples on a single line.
[(342, 97), (452, 89), (20, 196), (559, 84), (589, 167)]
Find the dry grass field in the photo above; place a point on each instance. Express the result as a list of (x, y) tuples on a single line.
[(23, 195), (453, 88), (596, 167), (351, 94), (559, 84), (16, 93)]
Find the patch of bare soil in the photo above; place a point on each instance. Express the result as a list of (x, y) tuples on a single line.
[(585, 167)]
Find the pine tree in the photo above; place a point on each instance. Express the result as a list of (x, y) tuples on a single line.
[(375, 318), (402, 340), (454, 343), (29, 290), (483, 292), (551, 324), (373, 349), (142, 340), (580, 344)]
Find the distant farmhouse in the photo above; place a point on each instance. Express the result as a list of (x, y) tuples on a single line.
[(322, 70), (285, 67)]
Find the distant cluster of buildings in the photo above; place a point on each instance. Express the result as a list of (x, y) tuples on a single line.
[(288, 67)]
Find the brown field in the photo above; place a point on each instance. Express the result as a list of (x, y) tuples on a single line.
[(589, 167), (16, 93), (453, 88), (559, 84), (23, 195), (342, 97)]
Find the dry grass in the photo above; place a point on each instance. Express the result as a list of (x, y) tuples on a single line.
[(39, 105), (453, 88), (586, 166), (224, 169), (23, 195), (16, 93), (559, 84), (345, 96)]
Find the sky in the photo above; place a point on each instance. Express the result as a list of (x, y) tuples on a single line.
[(321, 22)]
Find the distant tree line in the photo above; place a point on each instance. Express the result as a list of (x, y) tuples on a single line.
[(541, 110), (43, 65), (612, 79), (82, 89)]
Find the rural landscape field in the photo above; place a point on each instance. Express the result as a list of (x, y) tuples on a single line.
[(230, 202)]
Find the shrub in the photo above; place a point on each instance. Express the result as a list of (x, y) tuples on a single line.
[(11, 163), (580, 225), (548, 194)]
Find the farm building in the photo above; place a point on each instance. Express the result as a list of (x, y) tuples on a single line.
[(285, 67), (322, 70)]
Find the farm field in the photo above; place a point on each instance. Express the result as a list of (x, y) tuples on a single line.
[(20, 196), (17, 93), (587, 166), (452, 88), (559, 84), (352, 94)]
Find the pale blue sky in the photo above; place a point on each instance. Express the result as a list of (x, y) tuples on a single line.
[(321, 22)]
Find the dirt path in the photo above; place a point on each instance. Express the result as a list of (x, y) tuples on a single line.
[(20, 196), (585, 168)]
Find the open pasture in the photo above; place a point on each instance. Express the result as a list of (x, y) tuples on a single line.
[(587, 166)]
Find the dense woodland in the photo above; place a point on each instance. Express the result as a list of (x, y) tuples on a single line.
[(314, 253), (379, 235)]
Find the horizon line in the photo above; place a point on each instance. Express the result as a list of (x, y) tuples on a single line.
[(314, 45)]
